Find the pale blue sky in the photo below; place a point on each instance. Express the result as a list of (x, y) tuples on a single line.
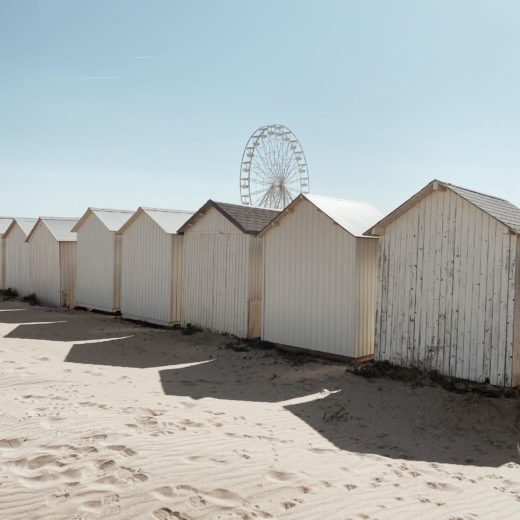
[(126, 103)]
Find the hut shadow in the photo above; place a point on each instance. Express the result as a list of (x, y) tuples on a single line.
[(19, 314), (378, 417), (262, 377), (147, 348), (62, 325), (395, 420)]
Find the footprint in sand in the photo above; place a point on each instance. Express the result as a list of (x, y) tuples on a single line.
[(442, 486), (105, 465), (164, 492), (223, 498), (165, 513), (12, 443), (131, 475), (123, 450), (281, 476)]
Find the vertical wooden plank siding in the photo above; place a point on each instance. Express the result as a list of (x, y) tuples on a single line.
[(516, 319), (2, 262), (310, 290), (117, 271), (68, 263), (366, 267), (447, 275), (17, 275), (44, 263), (177, 260), (217, 278), (96, 259), (146, 281)]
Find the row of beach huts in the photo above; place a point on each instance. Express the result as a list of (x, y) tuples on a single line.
[(434, 285)]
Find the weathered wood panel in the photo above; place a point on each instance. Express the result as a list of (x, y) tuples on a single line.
[(220, 275), (446, 290)]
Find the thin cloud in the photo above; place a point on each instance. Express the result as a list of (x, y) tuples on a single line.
[(144, 57), (97, 77)]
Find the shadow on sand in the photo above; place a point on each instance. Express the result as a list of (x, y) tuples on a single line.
[(376, 416), (382, 417)]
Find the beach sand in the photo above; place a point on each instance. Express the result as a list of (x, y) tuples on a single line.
[(102, 418)]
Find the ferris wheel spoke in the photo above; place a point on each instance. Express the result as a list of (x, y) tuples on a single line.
[(258, 170), (261, 170), (264, 164), (258, 181)]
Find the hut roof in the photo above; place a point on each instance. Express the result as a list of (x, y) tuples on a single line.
[(248, 219), (60, 228), (500, 209), (170, 220), (112, 219), (351, 215)]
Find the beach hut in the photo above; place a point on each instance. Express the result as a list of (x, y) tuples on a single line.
[(449, 285), (52, 261), (222, 268), (320, 277), (151, 257), (17, 274), (5, 222), (98, 273)]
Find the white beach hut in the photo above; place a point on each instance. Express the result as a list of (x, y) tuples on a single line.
[(5, 222), (98, 278), (52, 261), (17, 273), (449, 285), (151, 257), (222, 268), (319, 285)]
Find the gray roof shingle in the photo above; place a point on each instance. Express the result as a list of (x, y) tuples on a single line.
[(248, 219), (501, 209)]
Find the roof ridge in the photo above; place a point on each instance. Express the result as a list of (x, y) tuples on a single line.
[(167, 210), (245, 206), (113, 210), (59, 218)]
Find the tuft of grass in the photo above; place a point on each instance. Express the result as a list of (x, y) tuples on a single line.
[(31, 299), (8, 294)]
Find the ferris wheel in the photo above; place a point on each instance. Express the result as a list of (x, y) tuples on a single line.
[(273, 169)]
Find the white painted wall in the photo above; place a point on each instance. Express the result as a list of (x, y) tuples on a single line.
[(17, 273), (151, 270), (314, 275), (44, 264), (446, 291), (97, 271), (221, 275)]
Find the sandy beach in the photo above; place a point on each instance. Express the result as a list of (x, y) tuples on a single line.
[(102, 418)]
